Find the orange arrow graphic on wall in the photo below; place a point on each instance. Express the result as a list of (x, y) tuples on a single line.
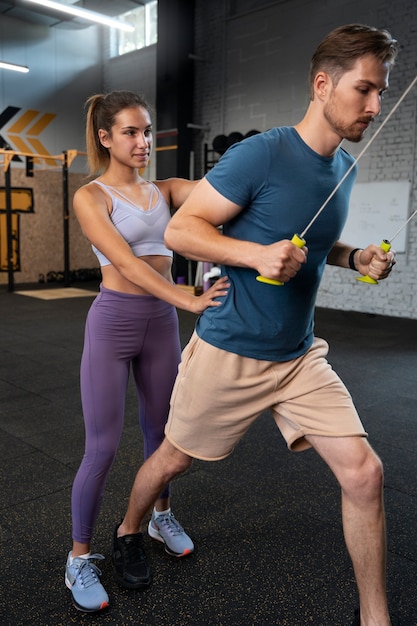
[(18, 127), (23, 121), (32, 143)]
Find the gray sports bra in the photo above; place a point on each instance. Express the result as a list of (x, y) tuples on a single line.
[(143, 230)]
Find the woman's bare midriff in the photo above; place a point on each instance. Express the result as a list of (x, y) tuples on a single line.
[(112, 279)]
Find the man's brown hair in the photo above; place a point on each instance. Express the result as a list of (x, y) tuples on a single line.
[(339, 51)]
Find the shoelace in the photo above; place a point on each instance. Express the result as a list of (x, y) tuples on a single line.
[(88, 573), (170, 524), (132, 548)]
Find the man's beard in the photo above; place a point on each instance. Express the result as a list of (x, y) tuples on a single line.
[(353, 132)]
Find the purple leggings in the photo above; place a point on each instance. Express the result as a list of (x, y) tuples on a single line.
[(122, 331)]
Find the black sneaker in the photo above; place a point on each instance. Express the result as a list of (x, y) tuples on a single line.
[(357, 618), (130, 565)]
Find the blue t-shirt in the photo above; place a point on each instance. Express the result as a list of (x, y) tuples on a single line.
[(280, 183)]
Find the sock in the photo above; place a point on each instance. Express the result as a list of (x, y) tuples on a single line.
[(158, 513), (80, 556)]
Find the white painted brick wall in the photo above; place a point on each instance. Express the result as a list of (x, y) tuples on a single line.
[(254, 75)]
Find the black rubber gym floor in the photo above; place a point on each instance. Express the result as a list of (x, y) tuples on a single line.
[(266, 522)]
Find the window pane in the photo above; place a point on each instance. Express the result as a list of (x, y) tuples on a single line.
[(144, 19), (152, 22)]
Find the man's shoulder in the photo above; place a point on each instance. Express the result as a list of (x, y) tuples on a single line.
[(267, 139), (275, 132)]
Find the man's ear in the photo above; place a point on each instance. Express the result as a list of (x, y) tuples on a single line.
[(322, 84)]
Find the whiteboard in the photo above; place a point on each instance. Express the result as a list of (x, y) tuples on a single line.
[(377, 210)]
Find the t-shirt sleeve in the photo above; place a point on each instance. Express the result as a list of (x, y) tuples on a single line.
[(240, 172)]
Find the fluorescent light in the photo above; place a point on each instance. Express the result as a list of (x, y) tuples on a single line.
[(14, 67), (92, 16)]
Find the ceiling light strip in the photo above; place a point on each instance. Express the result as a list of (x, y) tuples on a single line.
[(92, 16), (13, 66)]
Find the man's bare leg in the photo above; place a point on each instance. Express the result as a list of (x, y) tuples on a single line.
[(131, 568), (157, 471), (360, 474)]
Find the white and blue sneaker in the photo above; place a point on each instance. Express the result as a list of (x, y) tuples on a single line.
[(165, 528), (82, 577)]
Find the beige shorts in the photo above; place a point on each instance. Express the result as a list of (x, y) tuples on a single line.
[(219, 394)]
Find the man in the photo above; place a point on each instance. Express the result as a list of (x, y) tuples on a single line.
[(257, 351)]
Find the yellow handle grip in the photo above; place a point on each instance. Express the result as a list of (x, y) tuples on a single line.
[(297, 241), (386, 247)]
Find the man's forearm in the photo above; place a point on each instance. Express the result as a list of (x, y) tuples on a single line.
[(343, 255)]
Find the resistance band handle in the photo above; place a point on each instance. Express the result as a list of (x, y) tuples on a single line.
[(297, 241), (386, 247)]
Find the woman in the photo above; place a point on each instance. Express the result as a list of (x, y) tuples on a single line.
[(131, 324)]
